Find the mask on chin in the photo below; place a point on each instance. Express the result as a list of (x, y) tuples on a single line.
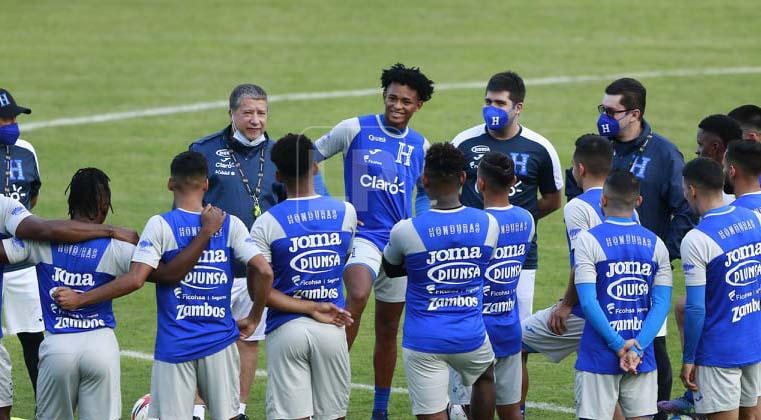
[(9, 134), (242, 139)]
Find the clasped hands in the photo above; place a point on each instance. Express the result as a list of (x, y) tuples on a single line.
[(629, 360)]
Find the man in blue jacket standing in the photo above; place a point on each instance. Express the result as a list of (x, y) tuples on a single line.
[(242, 183), (658, 164)]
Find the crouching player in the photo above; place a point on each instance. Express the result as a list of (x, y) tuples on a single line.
[(496, 175), (722, 317), (623, 280), (445, 252), (196, 334), (307, 238)]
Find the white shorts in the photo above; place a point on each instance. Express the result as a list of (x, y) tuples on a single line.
[(525, 293), (387, 289), (597, 394), (308, 371), (79, 372), (241, 305), (428, 375), (508, 376), (725, 389), (216, 377), (538, 337), (22, 312), (6, 384)]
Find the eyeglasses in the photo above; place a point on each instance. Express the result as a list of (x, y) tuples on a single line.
[(602, 109)]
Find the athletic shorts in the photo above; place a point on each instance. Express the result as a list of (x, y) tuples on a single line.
[(241, 305), (216, 377), (525, 293), (6, 384), (79, 372), (308, 374), (597, 394), (387, 289), (428, 375), (537, 337), (725, 389), (22, 312), (508, 376)]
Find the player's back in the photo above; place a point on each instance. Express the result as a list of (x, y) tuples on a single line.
[(750, 201), (309, 240)]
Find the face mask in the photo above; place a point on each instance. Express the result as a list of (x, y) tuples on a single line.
[(9, 134), (607, 126), (495, 118), (237, 135)]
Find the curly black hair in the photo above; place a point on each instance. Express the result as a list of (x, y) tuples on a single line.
[(497, 169), (723, 126), (444, 161), (408, 76), (88, 191), (292, 155)]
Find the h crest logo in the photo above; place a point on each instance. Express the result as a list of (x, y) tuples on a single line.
[(521, 162), (640, 166), (405, 151), (605, 128), (4, 101), (494, 120)]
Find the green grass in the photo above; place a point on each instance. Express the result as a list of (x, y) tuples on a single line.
[(68, 59)]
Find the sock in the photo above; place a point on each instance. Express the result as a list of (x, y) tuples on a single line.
[(688, 396), (242, 408), (30, 342), (199, 411), (382, 396)]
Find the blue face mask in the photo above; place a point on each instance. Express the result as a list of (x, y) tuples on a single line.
[(9, 134), (495, 118), (607, 126)]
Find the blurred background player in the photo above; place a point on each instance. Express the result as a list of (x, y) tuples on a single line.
[(749, 118), (307, 239), (383, 161), (196, 331), (496, 175), (658, 164), (444, 252), (722, 315), (742, 169), (242, 183), (21, 181), (623, 280), (79, 359)]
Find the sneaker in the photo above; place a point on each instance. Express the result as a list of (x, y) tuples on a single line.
[(681, 406), (379, 415)]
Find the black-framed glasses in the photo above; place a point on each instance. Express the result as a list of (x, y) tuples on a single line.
[(602, 109)]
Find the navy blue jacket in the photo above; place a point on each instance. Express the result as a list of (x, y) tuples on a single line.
[(226, 190), (24, 183), (664, 209)]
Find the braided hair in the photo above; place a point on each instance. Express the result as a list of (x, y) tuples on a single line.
[(88, 192)]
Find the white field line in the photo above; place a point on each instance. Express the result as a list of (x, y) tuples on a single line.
[(307, 96), (365, 387)]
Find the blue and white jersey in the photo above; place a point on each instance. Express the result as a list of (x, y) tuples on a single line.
[(446, 253), (194, 318), (723, 253), (624, 261), (11, 214), (537, 168), (81, 267), (750, 201), (516, 229), (307, 241), (381, 170)]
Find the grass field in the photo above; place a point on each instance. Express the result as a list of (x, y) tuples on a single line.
[(74, 59)]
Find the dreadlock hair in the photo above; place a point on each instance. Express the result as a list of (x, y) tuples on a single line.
[(88, 192), (408, 76), (443, 164)]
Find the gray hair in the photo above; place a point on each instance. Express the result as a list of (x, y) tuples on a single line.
[(246, 90)]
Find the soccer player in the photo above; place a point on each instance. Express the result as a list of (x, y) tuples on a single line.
[(307, 239), (496, 175), (721, 337), (445, 253), (196, 335), (537, 165), (623, 280), (749, 117), (383, 160)]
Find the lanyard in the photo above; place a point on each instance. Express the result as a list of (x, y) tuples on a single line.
[(259, 177), (7, 170), (639, 153)]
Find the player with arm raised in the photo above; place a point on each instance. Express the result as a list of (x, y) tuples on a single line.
[(445, 252), (383, 160), (623, 280), (307, 239)]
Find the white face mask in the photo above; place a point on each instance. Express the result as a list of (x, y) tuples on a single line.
[(242, 139)]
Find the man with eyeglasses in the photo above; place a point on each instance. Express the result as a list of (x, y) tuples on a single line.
[(658, 164)]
